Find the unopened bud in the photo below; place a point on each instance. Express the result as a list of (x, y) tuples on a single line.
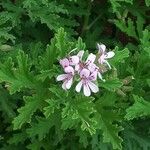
[(127, 80)]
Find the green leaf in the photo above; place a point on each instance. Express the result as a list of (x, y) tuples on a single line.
[(18, 138), (26, 112), (52, 105), (41, 128), (116, 4), (148, 82), (62, 42), (77, 111), (83, 137), (129, 29), (6, 104), (140, 23), (119, 56), (17, 78), (111, 85), (135, 140), (147, 3), (46, 73), (4, 34), (145, 40), (107, 117), (80, 45), (139, 109)]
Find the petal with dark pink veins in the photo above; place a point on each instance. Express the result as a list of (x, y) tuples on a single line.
[(85, 73), (94, 88), (74, 60), (86, 90), (91, 58)]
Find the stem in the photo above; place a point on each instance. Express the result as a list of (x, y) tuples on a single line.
[(96, 19), (86, 18)]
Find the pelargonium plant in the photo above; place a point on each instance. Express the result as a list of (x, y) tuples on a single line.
[(85, 72)]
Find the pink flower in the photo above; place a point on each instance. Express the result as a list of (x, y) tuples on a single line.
[(95, 70), (66, 78), (79, 66), (104, 55), (64, 62), (91, 58), (71, 61), (86, 82)]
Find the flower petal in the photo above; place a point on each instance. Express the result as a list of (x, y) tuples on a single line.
[(69, 69), (69, 83), (61, 77), (92, 67), (94, 88), (64, 62), (101, 59), (93, 76), (101, 48), (77, 67), (91, 58), (64, 85), (109, 54), (80, 54), (84, 73), (86, 90), (74, 60), (79, 86)]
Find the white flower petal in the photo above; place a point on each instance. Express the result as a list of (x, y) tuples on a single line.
[(74, 60), (69, 69), (86, 90), (110, 54), (61, 77), (94, 88), (101, 48), (64, 85), (79, 86), (92, 67), (80, 54), (69, 83), (91, 58), (77, 67)]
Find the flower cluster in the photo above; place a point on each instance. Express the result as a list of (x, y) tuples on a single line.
[(86, 72)]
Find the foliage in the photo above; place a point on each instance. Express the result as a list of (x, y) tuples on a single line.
[(36, 113)]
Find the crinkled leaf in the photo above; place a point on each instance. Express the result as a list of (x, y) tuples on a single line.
[(140, 108)]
